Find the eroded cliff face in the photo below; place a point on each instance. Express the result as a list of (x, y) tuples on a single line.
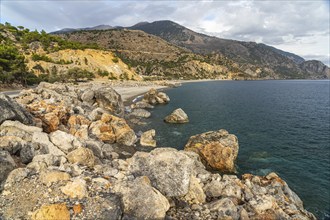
[(88, 59)]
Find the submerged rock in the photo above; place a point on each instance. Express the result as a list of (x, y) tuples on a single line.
[(147, 138), (11, 110), (141, 104), (140, 113), (217, 149), (178, 116)]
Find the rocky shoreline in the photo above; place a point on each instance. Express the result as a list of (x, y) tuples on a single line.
[(68, 152)]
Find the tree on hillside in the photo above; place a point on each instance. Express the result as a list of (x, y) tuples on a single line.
[(77, 74), (12, 66)]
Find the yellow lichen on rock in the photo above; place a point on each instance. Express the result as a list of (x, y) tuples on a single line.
[(52, 212)]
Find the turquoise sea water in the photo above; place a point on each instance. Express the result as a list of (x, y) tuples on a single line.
[(282, 126)]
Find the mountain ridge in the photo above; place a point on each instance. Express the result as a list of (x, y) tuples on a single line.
[(140, 24), (251, 56), (69, 30)]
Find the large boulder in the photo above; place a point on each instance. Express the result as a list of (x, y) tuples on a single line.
[(64, 141), (178, 116), (41, 141), (142, 201), (154, 97), (168, 169), (25, 141), (11, 110), (88, 97), (110, 100), (17, 129), (217, 149), (78, 126), (52, 114), (82, 156), (113, 129)]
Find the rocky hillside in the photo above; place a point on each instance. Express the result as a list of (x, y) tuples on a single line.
[(272, 62), (29, 57), (104, 64), (155, 58), (66, 152)]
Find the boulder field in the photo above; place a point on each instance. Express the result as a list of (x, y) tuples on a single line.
[(66, 153)]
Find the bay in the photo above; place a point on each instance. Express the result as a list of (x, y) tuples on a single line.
[(282, 126)]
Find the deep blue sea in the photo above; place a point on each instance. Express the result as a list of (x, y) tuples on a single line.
[(282, 126)]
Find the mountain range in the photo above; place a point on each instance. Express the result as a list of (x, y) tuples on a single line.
[(252, 60)]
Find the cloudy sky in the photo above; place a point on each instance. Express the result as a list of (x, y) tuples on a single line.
[(298, 26)]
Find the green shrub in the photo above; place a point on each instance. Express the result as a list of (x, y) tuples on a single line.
[(37, 57), (103, 73), (115, 60)]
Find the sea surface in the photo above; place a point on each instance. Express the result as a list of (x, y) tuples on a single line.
[(281, 125)]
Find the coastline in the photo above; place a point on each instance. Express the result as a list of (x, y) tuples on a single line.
[(129, 91), (99, 161)]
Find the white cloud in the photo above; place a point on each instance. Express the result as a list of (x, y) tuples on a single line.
[(301, 27)]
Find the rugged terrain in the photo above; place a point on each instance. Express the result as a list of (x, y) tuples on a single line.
[(67, 152), (152, 56), (272, 62), (250, 59), (28, 57)]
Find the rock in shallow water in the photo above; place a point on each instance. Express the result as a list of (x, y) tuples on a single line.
[(141, 104), (147, 138), (140, 113), (154, 97), (178, 116), (217, 149)]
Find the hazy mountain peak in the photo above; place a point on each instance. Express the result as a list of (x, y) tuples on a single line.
[(69, 30), (140, 24)]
